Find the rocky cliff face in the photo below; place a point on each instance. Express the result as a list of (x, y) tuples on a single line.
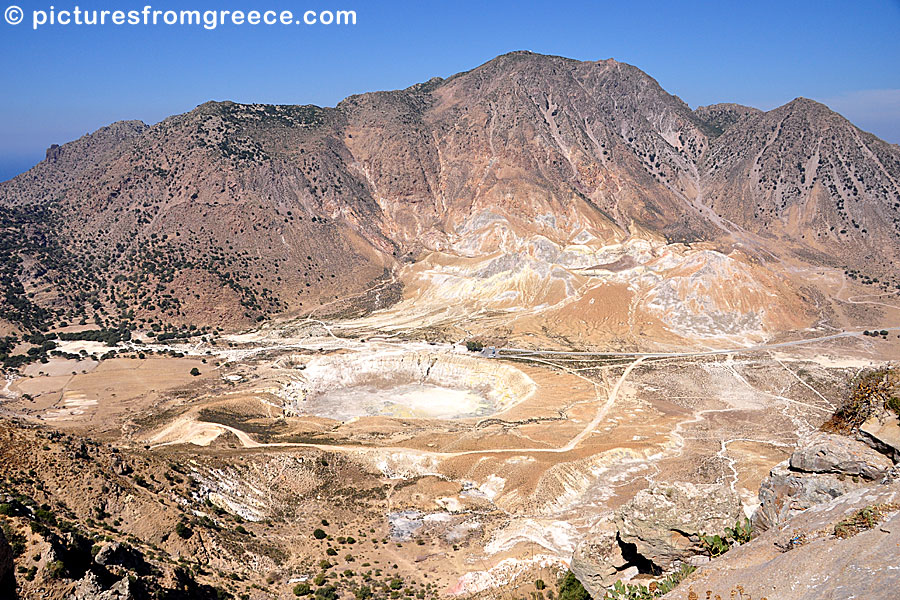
[(827, 526), (843, 548), (657, 531), (232, 213), (822, 468)]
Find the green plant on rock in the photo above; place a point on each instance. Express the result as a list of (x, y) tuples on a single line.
[(863, 519), (56, 569), (715, 545), (740, 533), (656, 589)]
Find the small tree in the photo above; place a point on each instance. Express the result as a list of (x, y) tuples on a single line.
[(57, 569), (183, 531)]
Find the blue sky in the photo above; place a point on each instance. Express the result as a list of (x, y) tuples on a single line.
[(62, 82)]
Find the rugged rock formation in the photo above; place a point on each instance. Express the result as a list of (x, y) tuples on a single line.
[(89, 588), (654, 532), (830, 528), (829, 453), (598, 561), (120, 555), (662, 521), (882, 432), (7, 569), (826, 479), (822, 468), (802, 558)]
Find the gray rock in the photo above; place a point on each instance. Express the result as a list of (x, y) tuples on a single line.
[(883, 434), (784, 493), (828, 453), (801, 559), (598, 562), (7, 569), (122, 555), (89, 588), (660, 521)]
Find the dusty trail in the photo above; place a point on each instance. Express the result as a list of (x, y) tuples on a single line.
[(535, 356), (197, 428), (523, 352)]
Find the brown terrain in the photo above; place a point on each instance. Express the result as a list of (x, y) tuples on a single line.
[(248, 322)]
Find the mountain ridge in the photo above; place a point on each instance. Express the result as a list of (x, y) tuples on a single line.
[(257, 206)]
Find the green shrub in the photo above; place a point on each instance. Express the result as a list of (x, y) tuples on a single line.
[(863, 519), (656, 589), (302, 589), (328, 592), (183, 530), (57, 569), (571, 589), (16, 540), (893, 404), (320, 534)]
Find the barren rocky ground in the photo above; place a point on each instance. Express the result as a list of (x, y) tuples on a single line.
[(451, 340)]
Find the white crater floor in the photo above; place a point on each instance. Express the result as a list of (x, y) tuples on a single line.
[(414, 400), (430, 385)]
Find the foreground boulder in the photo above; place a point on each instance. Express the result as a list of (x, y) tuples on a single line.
[(785, 493), (656, 531), (662, 522), (598, 561), (844, 548), (7, 569)]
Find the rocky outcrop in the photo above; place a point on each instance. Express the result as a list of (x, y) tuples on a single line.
[(785, 492), (829, 453), (656, 531), (828, 527), (7, 569), (122, 555), (662, 522), (90, 588), (882, 432), (802, 558), (598, 562), (822, 468)]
